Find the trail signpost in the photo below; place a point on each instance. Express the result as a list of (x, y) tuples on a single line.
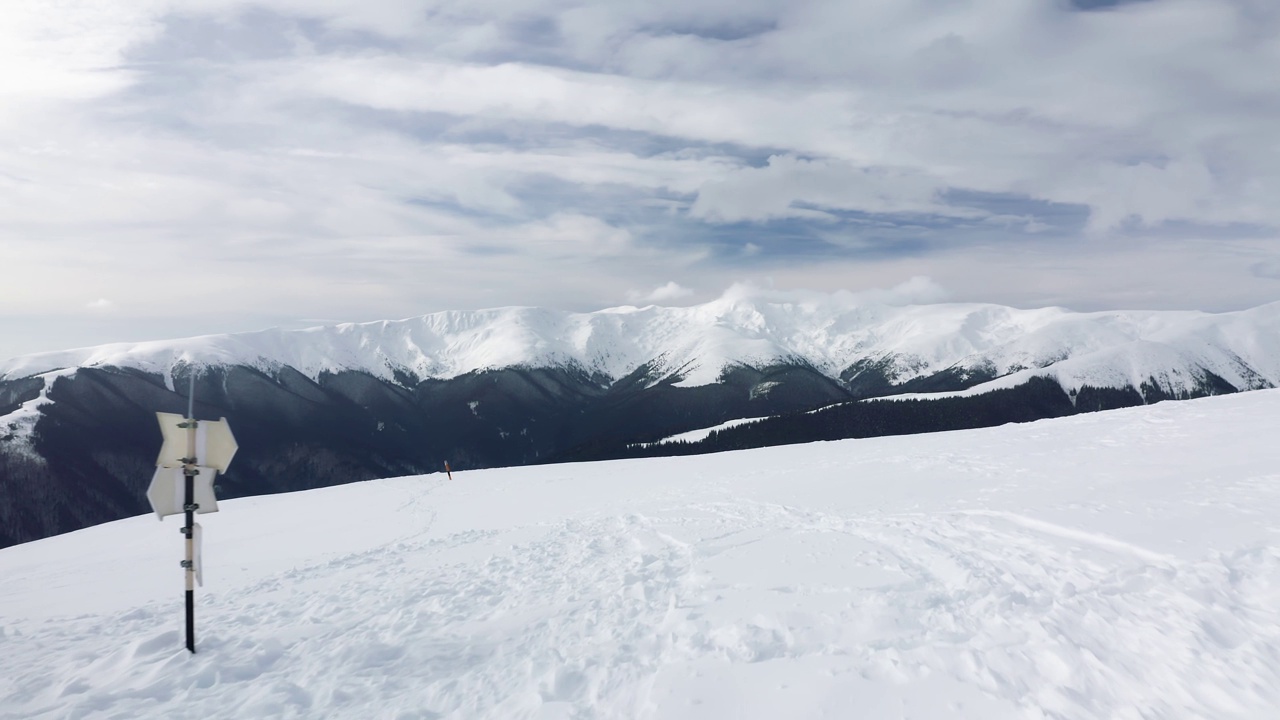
[(193, 454)]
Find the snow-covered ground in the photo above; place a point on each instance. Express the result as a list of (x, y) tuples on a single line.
[(701, 433), (18, 426), (1115, 565)]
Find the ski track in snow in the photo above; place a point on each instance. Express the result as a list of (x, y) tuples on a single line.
[(1120, 565)]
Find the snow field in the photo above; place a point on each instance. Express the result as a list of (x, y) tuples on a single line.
[(1115, 565)]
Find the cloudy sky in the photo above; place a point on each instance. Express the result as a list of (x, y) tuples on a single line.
[(179, 167)]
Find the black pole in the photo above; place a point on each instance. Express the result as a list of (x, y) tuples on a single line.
[(188, 506), (188, 501)]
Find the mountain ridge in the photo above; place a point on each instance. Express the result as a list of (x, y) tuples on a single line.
[(522, 386), (696, 344)]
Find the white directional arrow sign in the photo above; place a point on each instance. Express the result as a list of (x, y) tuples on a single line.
[(215, 445), (166, 490), (192, 455)]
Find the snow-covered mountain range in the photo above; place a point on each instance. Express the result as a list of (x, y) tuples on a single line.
[(693, 346), (515, 386)]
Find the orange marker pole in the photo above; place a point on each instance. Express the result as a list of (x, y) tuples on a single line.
[(447, 470)]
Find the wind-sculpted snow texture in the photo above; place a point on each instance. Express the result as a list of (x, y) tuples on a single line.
[(1112, 565)]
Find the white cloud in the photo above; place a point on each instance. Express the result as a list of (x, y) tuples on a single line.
[(911, 291), (701, 111), (70, 50), (1016, 110), (323, 156), (572, 237), (100, 305), (664, 293), (775, 190), (918, 290)]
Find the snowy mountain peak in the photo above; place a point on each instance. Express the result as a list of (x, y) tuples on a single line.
[(696, 344)]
